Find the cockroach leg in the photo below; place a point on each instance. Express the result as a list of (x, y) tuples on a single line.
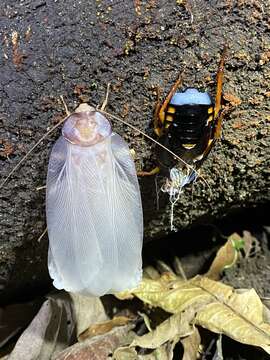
[(157, 125), (155, 171), (217, 134), (169, 97), (105, 102), (42, 235), (220, 75), (41, 188)]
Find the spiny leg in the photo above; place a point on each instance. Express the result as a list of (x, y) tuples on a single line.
[(206, 152), (159, 116), (220, 75), (155, 171), (169, 97), (217, 133), (157, 124), (42, 235)]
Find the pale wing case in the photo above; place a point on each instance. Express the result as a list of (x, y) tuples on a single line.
[(94, 217)]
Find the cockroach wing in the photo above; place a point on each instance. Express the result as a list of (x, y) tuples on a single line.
[(94, 217)]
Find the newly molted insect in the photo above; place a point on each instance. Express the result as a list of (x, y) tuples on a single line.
[(187, 123), (93, 206)]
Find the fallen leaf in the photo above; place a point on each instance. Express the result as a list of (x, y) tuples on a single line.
[(164, 352), (147, 285), (98, 347), (87, 311), (251, 244), (177, 325), (218, 353), (218, 307), (226, 257), (172, 296), (14, 318), (47, 333), (191, 345), (54, 327), (125, 353), (239, 316), (103, 328)]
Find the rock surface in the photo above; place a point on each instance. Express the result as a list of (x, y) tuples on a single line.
[(52, 48)]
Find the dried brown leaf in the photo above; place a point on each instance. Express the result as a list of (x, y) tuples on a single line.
[(251, 244), (225, 257), (86, 311), (164, 352), (172, 296), (177, 325), (55, 324), (14, 318), (191, 345), (125, 353), (98, 347), (219, 308), (103, 328), (239, 316), (48, 332)]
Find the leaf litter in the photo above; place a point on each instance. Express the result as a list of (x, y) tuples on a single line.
[(72, 327)]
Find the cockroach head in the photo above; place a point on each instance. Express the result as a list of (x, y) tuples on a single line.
[(86, 127), (84, 108)]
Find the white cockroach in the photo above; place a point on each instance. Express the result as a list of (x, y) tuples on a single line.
[(93, 207)]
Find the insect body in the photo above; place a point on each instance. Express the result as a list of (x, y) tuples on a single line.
[(188, 127), (93, 206), (188, 123)]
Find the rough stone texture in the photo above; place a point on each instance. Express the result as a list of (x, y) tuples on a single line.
[(74, 49)]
